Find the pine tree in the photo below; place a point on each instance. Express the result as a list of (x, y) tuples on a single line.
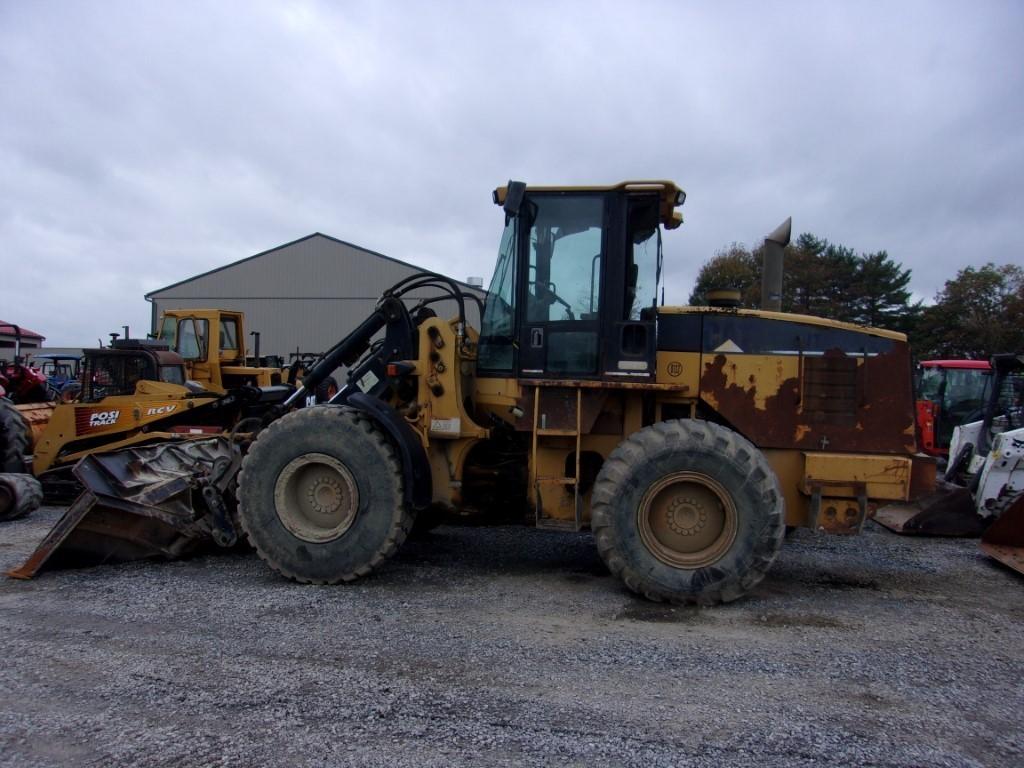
[(883, 295), (822, 279)]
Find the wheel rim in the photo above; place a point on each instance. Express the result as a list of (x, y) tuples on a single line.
[(687, 520), (316, 498)]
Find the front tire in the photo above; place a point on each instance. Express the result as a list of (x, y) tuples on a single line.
[(688, 511), (321, 496)]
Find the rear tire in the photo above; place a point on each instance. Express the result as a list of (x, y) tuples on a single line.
[(13, 438), (19, 496), (321, 496), (688, 511)]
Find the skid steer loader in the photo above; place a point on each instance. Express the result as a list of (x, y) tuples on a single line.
[(982, 493), (685, 438)]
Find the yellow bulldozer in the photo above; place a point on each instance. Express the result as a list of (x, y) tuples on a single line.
[(212, 344), (686, 438)]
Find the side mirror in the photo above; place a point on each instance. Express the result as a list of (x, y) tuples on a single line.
[(514, 194)]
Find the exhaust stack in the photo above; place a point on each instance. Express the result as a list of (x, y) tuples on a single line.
[(771, 275)]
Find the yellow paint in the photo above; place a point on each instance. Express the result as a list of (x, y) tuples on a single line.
[(786, 316), (679, 369), (667, 190), (789, 469), (136, 415), (884, 477), (223, 369)]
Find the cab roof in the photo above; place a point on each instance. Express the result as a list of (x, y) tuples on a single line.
[(672, 195)]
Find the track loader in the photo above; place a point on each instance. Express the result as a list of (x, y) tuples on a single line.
[(133, 394), (686, 438)]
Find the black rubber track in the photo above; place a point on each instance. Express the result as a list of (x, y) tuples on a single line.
[(382, 521), (688, 445), (24, 493), (13, 438)]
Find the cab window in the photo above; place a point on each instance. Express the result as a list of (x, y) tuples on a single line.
[(172, 374), (565, 259), (643, 257), (168, 332), (192, 339), (228, 334), (497, 326)]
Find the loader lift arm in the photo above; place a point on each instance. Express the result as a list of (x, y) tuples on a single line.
[(390, 314), (363, 355)]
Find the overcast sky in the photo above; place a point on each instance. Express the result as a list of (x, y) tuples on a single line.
[(143, 143)]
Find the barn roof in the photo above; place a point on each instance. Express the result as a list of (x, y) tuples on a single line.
[(7, 329), (149, 296)]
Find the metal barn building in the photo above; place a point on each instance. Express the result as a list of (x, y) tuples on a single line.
[(306, 294)]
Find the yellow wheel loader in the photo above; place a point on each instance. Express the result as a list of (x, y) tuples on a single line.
[(686, 438)]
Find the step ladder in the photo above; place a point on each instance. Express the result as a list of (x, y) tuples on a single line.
[(554, 486)]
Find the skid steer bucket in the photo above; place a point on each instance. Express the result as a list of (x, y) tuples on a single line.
[(947, 511), (1004, 539), (164, 500)]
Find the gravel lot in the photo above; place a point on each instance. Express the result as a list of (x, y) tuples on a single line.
[(510, 646)]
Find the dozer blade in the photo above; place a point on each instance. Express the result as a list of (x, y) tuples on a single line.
[(947, 511), (161, 500), (1004, 539)]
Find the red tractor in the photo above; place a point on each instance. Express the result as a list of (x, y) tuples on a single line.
[(22, 383), (949, 393)]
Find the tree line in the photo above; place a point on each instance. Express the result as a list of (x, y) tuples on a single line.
[(977, 313)]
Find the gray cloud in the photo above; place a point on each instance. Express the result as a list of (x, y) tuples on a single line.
[(143, 143)]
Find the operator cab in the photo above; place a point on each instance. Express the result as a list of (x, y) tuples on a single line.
[(576, 282), (190, 335), (117, 369)]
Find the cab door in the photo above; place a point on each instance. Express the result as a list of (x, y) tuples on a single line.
[(560, 283), (632, 274)]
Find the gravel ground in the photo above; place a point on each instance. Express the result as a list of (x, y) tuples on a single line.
[(510, 646)]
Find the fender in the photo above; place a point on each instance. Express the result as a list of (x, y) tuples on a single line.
[(415, 466)]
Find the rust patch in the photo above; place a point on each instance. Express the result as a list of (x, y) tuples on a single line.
[(558, 406), (833, 406)]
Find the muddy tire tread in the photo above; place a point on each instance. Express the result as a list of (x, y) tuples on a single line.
[(320, 417), (685, 435)]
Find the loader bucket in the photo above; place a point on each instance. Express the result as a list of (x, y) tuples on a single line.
[(1004, 539), (162, 500), (947, 511)]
